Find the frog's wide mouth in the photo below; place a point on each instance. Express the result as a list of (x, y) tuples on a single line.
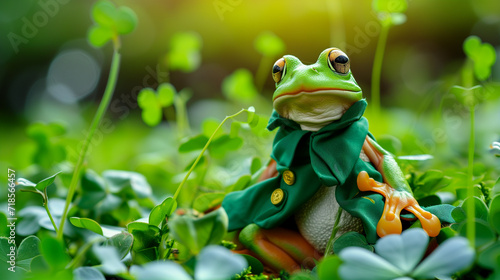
[(342, 93), (315, 108)]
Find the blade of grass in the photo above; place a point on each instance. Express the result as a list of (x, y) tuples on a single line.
[(468, 82), (203, 151), (377, 68), (108, 93), (471, 229)]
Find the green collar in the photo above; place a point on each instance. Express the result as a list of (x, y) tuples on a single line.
[(333, 150)]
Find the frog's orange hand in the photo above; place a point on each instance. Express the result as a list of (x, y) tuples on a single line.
[(395, 202)]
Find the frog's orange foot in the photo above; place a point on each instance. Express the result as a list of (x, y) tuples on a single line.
[(395, 202)]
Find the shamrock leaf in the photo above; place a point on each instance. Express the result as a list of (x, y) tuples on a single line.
[(239, 86), (268, 44), (86, 223), (213, 262), (482, 54), (38, 188), (152, 102), (390, 12), (390, 6), (196, 233), (184, 52), (166, 94), (110, 22), (399, 257)]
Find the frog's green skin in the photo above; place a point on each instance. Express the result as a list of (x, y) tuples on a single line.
[(314, 96)]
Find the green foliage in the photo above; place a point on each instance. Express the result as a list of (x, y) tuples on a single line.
[(110, 22), (328, 268), (87, 273), (50, 148), (254, 265), (86, 223), (494, 214), (110, 260), (391, 12), (390, 6), (25, 253), (239, 86), (213, 262), (146, 241), (160, 270), (207, 201), (351, 239), (54, 253), (196, 233), (39, 188), (429, 182), (400, 256), (153, 103), (482, 54), (184, 53), (162, 210), (117, 212), (268, 44)]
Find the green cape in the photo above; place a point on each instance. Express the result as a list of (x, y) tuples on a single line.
[(328, 157)]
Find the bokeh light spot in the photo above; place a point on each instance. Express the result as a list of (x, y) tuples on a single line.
[(73, 74)]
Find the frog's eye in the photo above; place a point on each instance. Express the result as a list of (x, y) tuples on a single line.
[(279, 70), (338, 61)]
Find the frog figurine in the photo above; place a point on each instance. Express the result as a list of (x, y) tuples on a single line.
[(326, 168)]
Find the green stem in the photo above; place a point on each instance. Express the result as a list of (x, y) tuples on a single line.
[(336, 19), (181, 116), (377, 68), (176, 194), (471, 229), (79, 257), (262, 71), (108, 93), (46, 206), (468, 82), (329, 245)]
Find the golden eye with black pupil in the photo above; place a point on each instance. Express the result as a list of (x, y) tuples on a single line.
[(278, 70), (338, 61)]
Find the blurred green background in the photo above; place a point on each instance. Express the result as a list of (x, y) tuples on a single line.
[(49, 73)]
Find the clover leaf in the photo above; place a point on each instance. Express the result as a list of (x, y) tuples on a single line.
[(399, 257), (483, 56), (165, 209), (196, 233), (390, 12), (110, 22), (390, 6), (38, 188), (239, 86), (184, 51), (213, 262), (86, 223), (49, 139), (87, 272), (152, 102), (268, 44)]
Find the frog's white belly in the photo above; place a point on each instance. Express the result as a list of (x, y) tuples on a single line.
[(316, 217)]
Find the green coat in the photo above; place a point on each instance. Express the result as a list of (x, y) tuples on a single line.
[(328, 157)]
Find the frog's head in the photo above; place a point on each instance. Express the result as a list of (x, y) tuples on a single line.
[(317, 94)]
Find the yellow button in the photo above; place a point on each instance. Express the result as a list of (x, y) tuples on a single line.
[(277, 196), (289, 177)]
